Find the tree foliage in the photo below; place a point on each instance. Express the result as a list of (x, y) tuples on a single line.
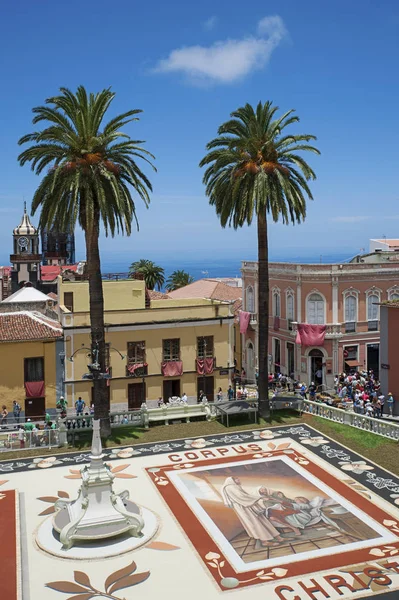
[(153, 275), (254, 168), (90, 172), (178, 279)]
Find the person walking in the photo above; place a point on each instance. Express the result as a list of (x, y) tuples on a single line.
[(219, 395), (16, 411), (230, 393)]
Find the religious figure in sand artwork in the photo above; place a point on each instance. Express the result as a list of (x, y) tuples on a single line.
[(265, 513), (251, 515)]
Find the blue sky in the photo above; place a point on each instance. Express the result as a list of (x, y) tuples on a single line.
[(188, 65)]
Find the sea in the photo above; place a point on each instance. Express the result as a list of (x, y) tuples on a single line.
[(221, 267)]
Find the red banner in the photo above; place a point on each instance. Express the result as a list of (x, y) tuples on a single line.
[(34, 389), (172, 368), (205, 366), (244, 318), (135, 366), (310, 335)]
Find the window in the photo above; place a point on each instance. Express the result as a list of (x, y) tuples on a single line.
[(276, 304), (350, 313), (250, 299), (373, 300), (205, 346), (394, 297), (291, 359), (290, 309), (135, 353), (315, 309), (276, 349), (170, 350), (68, 300), (34, 369)]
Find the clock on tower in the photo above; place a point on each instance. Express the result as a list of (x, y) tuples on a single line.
[(26, 257)]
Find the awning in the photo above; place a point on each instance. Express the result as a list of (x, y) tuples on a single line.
[(352, 363)]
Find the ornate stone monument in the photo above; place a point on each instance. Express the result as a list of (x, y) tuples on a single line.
[(98, 512)]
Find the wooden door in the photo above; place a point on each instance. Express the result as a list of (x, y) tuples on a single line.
[(207, 385), (171, 387), (35, 408), (136, 395)]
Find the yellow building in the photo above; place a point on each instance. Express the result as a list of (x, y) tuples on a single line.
[(168, 346), (31, 357)]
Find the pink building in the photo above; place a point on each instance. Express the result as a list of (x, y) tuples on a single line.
[(344, 297)]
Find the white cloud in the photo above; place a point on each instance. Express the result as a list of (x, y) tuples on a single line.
[(351, 219), (229, 60), (210, 23)]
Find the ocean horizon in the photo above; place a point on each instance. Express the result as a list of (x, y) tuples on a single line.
[(221, 267)]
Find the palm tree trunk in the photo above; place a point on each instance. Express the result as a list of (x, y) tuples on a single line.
[(263, 316), (100, 392)]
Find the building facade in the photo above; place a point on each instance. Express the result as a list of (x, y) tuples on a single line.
[(389, 357), (344, 297), (31, 358), (156, 346)]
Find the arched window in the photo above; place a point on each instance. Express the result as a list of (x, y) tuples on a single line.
[(276, 304), (250, 299), (373, 300), (315, 309), (350, 309), (290, 309), (394, 297), (250, 357)]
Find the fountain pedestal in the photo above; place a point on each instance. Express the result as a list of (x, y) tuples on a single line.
[(98, 512)]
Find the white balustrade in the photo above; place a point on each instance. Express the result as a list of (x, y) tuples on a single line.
[(381, 427)]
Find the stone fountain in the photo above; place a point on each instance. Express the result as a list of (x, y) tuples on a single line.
[(98, 512)]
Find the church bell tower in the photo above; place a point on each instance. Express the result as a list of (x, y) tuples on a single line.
[(26, 257)]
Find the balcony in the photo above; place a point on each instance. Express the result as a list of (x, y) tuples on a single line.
[(137, 370), (333, 330), (25, 257)]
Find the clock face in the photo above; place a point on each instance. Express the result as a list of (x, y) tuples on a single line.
[(23, 242)]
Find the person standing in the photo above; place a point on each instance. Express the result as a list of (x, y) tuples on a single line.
[(184, 398), (219, 395), (21, 436), (230, 393), (201, 398), (16, 411), (381, 400), (4, 415), (390, 402), (79, 406)]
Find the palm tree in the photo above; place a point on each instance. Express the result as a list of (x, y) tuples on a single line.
[(153, 275), (178, 279), (254, 170), (92, 170)]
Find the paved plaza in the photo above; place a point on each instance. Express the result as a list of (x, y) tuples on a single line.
[(283, 513)]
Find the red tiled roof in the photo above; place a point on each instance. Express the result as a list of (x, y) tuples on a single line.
[(208, 288), (51, 272), (27, 326), (154, 295)]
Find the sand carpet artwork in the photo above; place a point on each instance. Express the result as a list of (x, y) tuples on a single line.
[(281, 513)]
